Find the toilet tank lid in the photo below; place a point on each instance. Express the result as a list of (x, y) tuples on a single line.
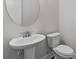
[(53, 34)]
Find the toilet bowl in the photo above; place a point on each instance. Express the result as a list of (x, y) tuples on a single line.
[(64, 51), (61, 50)]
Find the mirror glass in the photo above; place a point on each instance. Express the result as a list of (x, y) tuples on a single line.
[(23, 12)]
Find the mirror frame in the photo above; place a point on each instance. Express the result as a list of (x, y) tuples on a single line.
[(14, 21)]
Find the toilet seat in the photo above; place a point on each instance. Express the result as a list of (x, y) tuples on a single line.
[(63, 51)]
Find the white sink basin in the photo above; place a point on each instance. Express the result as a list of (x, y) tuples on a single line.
[(26, 42)]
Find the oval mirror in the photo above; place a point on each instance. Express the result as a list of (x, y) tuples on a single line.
[(23, 12)]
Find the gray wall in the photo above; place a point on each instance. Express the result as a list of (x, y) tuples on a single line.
[(67, 20), (47, 22)]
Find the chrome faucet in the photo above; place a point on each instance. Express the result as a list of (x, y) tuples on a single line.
[(26, 34)]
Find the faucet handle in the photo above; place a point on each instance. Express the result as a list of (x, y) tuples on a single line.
[(25, 34), (28, 33)]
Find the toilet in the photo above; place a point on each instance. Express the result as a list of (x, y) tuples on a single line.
[(60, 49)]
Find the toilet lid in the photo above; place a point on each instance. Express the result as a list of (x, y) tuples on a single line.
[(64, 50), (53, 34)]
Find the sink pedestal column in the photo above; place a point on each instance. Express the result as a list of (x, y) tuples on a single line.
[(29, 53)]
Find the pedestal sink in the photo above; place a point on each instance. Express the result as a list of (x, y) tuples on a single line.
[(28, 44)]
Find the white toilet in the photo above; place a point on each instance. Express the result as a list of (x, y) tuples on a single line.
[(61, 50)]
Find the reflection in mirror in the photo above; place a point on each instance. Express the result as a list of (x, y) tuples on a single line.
[(23, 12)]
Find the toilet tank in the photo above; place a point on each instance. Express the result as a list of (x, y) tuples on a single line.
[(53, 39)]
